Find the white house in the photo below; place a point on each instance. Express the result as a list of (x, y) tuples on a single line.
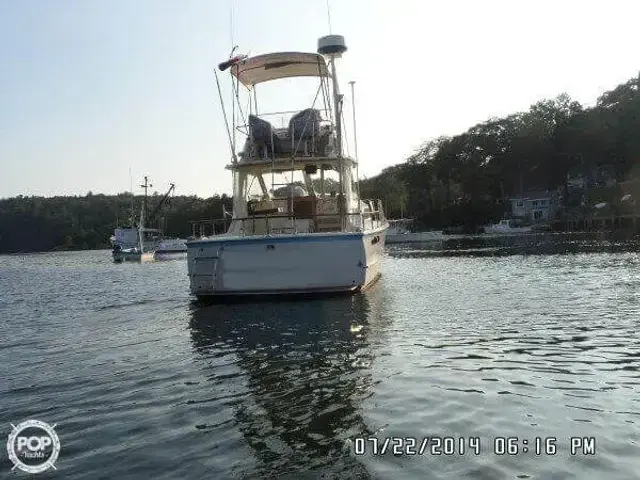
[(536, 207)]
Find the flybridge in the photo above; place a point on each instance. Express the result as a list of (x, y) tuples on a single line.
[(315, 131)]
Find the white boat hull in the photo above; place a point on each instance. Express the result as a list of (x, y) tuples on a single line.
[(172, 245), (285, 264), (167, 255)]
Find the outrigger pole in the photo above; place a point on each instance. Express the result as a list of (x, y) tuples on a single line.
[(223, 66), (226, 122)]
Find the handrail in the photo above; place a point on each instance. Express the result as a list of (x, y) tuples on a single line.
[(204, 222), (287, 112), (376, 217), (305, 217)]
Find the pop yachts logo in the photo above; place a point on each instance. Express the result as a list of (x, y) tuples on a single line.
[(33, 446)]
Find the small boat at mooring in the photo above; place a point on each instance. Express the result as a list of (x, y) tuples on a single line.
[(400, 232)]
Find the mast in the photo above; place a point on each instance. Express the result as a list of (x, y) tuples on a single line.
[(333, 46), (132, 217), (337, 100), (146, 187), (355, 141), (141, 227), (353, 108)]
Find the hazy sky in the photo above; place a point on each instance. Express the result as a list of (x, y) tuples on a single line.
[(90, 88)]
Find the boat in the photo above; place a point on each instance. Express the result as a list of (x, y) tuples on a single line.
[(171, 249), (137, 240), (172, 245), (128, 237), (298, 225), (138, 253), (400, 232), (506, 227), (134, 254)]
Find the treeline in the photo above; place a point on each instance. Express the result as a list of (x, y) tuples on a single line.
[(467, 179), (36, 224)]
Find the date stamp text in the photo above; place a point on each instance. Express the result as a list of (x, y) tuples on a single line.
[(449, 445)]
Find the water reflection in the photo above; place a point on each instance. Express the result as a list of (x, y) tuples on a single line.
[(531, 244), (307, 371)]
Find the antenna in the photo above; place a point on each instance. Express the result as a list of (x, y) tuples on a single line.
[(329, 16), (146, 185), (231, 27), (226, 122), (233, 87)]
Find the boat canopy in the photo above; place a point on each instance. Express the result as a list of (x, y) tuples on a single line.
[(273, 66)]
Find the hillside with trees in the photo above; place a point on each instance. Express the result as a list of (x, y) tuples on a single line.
[(467, 179), (36, 224)]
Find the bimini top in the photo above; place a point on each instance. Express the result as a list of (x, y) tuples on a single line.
[(273, 66)]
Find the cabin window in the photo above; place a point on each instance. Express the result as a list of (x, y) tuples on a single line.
[(537, 215), (534, 203), (520, 203)]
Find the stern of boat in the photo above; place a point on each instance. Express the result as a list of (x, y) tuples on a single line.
[(284, 264)]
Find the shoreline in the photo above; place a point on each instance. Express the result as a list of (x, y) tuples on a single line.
[(619, 234)]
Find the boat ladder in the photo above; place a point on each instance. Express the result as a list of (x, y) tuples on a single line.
[(206, 270), (215, 268)]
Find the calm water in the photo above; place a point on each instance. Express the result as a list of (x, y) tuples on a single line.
[(481, 341)]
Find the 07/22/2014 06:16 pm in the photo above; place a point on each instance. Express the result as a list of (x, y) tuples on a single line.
[(474, 446)]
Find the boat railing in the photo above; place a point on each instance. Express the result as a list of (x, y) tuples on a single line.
[(279, 222), (285, 223), (285, 117), (207, 227)]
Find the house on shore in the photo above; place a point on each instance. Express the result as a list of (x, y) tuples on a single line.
[(536, 206)]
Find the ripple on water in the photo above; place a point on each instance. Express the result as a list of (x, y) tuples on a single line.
[(144, 383)]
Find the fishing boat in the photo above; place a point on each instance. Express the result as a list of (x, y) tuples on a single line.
[(298, 224), (138, 253), (135, 239), (128, 237)]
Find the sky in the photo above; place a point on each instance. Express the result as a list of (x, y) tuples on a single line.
[(91, 89)]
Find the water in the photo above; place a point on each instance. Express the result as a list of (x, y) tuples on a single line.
[(145, 383)]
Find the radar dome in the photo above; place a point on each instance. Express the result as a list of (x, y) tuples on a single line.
[(332, 45)]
